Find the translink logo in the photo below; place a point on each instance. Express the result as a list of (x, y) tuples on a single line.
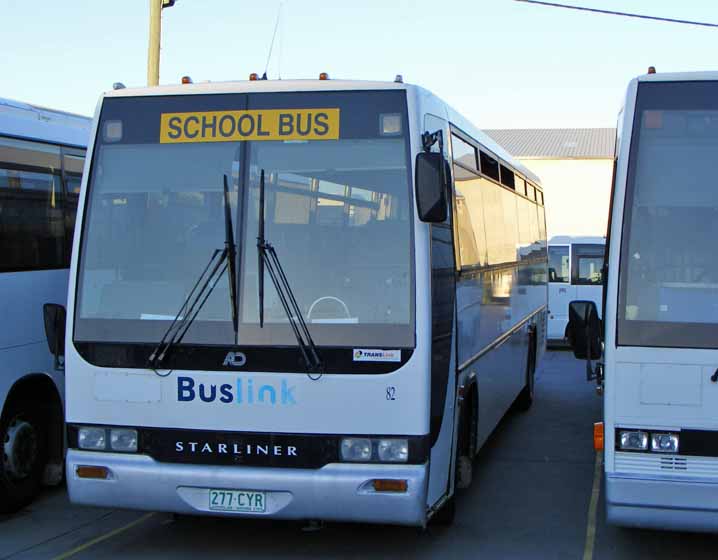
[(243, 392)]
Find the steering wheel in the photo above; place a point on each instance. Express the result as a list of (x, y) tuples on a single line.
[(330, 298)]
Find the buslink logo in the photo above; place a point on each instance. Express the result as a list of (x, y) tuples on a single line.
[(242, 392)]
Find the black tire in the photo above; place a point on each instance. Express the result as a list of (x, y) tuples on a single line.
[(22, 423), (526, 396)]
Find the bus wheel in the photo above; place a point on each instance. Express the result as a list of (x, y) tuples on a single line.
[(23, 445), (526, 396)]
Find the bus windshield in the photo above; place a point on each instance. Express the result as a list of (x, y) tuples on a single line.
[(337, 212), (669, 273)]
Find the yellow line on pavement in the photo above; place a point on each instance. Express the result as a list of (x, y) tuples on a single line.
[(592, 508), (104, 537)]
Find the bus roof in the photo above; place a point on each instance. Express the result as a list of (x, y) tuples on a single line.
[(322, 85), (23, 120), (571, 239), (679, 77)]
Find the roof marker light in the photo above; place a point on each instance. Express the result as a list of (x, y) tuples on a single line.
[(253, 77), (118, 85), (399, 79), (651, 69), (186, 80), (323, 76)]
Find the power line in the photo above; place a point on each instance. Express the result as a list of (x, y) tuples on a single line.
[(612, 13)]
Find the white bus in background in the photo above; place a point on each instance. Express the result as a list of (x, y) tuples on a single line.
[(659, 370), (41, 158), (575, 271), (366, 315)]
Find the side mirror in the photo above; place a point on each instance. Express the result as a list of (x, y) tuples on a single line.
[(55, 317), (432, 175), (584, 330)]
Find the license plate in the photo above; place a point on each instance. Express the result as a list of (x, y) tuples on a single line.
[(237, 500)]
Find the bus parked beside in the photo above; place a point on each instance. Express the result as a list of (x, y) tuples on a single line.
[(575, 269), (41, 158), (297, 299), (659, 370)]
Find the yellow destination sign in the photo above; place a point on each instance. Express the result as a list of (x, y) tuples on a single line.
[(261, 124)]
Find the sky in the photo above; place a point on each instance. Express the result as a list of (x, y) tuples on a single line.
[(502, 63)]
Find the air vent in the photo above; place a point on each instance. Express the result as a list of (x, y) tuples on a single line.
[(674, 464)]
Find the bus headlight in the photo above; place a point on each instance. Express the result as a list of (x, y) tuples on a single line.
[(356, 449), (393, 450), (92, 438), (633, 440), (664, 443), (123, 439)]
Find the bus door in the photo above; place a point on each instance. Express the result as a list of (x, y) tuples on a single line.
[(560, 290), (443, 359), (586, 272)]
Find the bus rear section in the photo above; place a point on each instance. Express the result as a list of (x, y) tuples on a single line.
[(661, 333), (260, 324), (575, 273)]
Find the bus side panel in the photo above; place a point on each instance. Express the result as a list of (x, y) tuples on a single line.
[(23, 346)]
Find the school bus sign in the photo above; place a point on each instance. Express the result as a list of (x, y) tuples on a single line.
[(260, 124)]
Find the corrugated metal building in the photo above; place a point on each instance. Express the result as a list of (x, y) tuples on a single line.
[(575, 166)]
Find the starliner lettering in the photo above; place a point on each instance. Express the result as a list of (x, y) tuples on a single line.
[(235, 449), (243, 392)]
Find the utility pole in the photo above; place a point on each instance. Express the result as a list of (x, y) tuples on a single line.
[(153, 52)]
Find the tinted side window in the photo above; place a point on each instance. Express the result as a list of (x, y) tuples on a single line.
[(32, 230), (558, 263), (464, 153), (489, 166)]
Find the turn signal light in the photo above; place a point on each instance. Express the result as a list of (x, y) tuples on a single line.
[(253, 77), (88, 471), (323, 76), (598, 436), (389, 485)]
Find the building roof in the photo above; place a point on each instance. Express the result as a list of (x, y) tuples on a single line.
[(556, 143)]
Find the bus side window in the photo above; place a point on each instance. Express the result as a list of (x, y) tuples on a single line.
[(558, 269)]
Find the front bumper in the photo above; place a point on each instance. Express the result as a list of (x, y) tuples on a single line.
[(662, 503), (335, 492)]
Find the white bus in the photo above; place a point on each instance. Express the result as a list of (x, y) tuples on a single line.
[(282, 306), (575, 271), (660, 337), (41, 158)]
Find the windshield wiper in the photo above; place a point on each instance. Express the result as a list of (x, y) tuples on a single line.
[(231, 249), (202, 289), (268, 259), (191, 307)]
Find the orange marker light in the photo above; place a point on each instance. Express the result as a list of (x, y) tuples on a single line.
[(186, 80), (253, 77), (323, 76), (389, 485), (598, 436), (87, 471), (651, 69)]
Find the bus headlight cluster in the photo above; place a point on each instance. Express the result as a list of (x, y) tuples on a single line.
[(370, 450), (107, 439), (664, 443), (640, 440)]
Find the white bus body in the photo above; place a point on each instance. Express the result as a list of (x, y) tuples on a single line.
[(575, 266), (661, 310), (41, 157), (422, 353)]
